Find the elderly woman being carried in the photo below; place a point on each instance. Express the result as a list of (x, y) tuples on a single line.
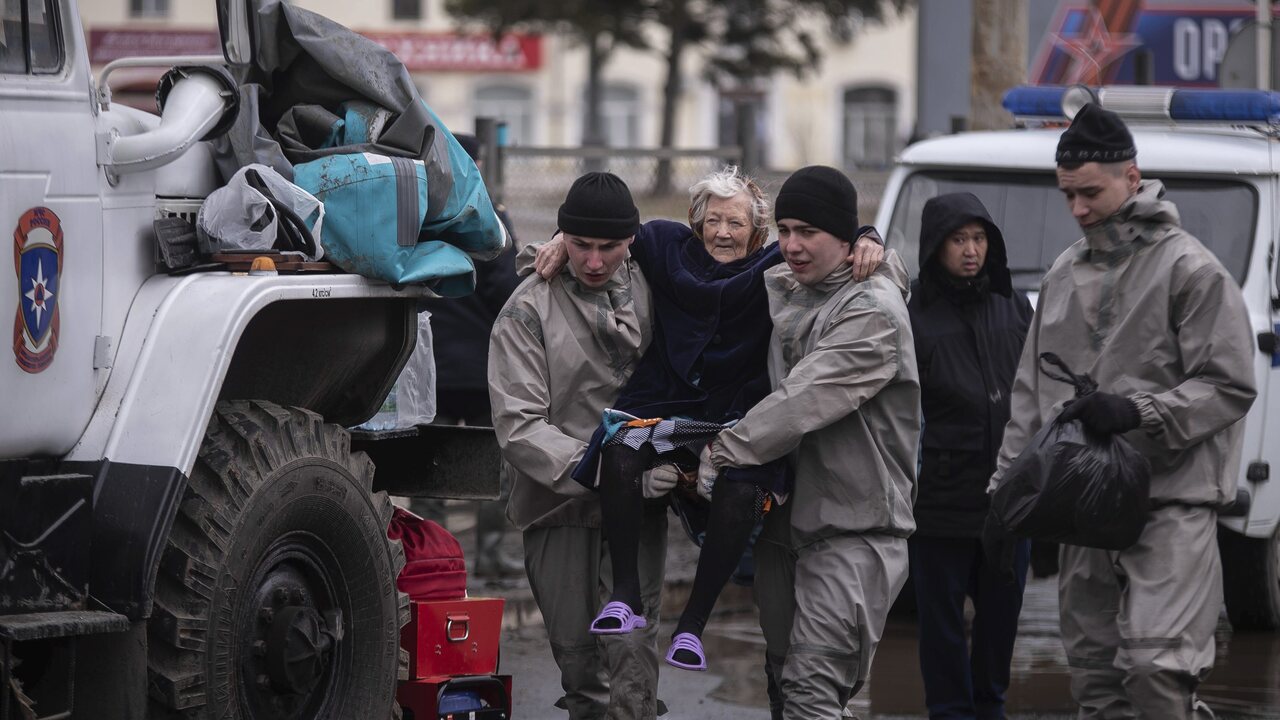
[(706, 367)]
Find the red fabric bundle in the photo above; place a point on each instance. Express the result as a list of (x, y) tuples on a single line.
[(434, 568)]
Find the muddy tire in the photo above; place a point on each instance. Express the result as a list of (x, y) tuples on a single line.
[(1251, 579), (276, 595)]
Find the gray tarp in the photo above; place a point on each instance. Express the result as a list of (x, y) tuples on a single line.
[(307, 66)]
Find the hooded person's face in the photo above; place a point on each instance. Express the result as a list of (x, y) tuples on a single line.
[(594, 260), (964, 251)]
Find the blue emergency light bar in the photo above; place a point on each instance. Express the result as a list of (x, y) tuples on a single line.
[(1143, 102)]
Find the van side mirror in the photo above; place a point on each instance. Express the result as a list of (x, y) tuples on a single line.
[(235, 25)]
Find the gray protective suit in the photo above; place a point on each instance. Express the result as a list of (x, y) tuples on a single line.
[(558, 356), (848, 411), (1151, 315)]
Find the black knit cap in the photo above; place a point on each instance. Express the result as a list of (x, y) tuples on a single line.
[(1095, 135), (599, 205), (821, 196)]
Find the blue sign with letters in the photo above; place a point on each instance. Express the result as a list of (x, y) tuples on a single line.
[(1186, 44)]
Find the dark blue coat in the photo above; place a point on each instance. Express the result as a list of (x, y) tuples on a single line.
[(709, 355)]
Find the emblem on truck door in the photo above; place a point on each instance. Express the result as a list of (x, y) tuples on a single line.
[(37, 258)]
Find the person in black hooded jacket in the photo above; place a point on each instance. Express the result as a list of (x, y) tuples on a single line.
[(460, 328), (969, 325)]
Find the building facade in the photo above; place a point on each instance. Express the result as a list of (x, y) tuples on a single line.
[(855, 111)]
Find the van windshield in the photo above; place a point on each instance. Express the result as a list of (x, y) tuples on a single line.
[(1032, 215)]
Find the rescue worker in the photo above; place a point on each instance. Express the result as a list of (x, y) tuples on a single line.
[(847, 412), (560, 351), (969, 325), (1159, 324)]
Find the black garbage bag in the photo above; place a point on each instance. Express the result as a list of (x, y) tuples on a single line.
[(1072, 485)]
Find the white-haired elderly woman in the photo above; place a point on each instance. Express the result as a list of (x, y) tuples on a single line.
[(707, 365)]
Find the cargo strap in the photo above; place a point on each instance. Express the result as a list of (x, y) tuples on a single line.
[(407, 225)]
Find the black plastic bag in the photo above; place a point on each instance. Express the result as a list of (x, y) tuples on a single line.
[(1072, 485)]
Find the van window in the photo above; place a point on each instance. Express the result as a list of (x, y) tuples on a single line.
[(1033, 217), (30, 42)]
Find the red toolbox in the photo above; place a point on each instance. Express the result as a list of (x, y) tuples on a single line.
[(485, 697), (453, 637)]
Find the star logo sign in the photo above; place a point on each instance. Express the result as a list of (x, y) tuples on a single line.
[(1094, 49), (37, 260), (39, 294)]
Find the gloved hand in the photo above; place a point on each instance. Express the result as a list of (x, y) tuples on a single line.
[(1103, 413), (706, 473), (660, 481)]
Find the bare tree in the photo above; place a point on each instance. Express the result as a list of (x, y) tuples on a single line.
[(748, 40), (999, 59), (600, 26)]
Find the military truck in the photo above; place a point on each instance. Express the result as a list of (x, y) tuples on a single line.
[(187, 529), (1218, 154)]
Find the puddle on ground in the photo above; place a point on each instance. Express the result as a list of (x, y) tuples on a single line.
[(1244, 685), (1245, 682)]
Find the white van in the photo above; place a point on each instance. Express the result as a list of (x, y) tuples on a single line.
[(1218, 154)]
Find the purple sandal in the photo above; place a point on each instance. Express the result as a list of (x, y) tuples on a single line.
[(620, 611), (689, 643)]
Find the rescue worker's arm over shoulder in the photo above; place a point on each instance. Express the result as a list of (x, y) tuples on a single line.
[(855, 358), (1024, 400), (1216, 345), (548, 257), (519, 390)]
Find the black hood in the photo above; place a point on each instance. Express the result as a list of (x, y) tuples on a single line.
[(944, 215)]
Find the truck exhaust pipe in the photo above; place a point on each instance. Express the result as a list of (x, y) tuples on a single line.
[(196, 103)]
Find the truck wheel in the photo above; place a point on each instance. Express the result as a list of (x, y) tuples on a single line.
[(276, 596), (1251, 579)]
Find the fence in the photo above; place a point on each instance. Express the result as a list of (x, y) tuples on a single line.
[(531, 181)]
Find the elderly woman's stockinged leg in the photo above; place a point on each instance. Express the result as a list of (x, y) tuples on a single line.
[(622, 512), (734, 512)]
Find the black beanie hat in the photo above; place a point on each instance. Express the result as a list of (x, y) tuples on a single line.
[(1095, 135), (599, 205), (821, 196)]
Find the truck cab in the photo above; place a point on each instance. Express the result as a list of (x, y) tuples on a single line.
[(1218, 155), (187, 527)]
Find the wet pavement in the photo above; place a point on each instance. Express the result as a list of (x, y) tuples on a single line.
[(1245, 684)]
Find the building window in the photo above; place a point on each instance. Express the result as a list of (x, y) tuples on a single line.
[(619, 115), (30, 45), (512, 104), (406, 9), (870, 127), (149, 8), (743, 109)]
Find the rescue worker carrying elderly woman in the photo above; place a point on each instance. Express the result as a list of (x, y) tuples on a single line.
[(846, 414), (705, 369)]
